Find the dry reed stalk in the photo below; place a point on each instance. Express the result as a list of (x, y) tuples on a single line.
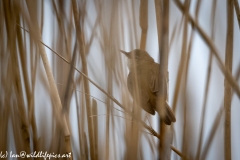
[(4, 127), (33, 64), (162, 18), (158, 9), (108, 101), (80, 139), (143, 22), (42, 17), (187, 126), (4, 106), (166, 138), (133, 29), (23, 59), (4, 80), (228, 87), (83, 137), (95, 125), (86, 146), (4, 102)]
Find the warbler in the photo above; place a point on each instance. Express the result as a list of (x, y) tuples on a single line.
[(148, 78)]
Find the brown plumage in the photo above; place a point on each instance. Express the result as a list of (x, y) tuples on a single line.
[(148, 76)]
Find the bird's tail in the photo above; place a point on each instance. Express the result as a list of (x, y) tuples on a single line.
[(169, 115)]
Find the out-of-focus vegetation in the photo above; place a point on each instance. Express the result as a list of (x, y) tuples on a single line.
[(64, 88)]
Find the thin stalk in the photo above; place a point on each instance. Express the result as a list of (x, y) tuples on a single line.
[(80, 137), (187, 127), (134, 38), (34, 59), (95, 125), (86, 146), (163, 50), (228, 88), (143, 21)]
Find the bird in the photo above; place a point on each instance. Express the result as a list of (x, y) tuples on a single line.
[(148, 77)]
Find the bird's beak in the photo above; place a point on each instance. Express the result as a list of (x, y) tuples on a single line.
[(125, 53)]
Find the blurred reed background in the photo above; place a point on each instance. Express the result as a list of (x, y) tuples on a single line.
[(64, 88)]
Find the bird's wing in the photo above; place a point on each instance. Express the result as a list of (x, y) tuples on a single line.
[(144, 98), (145, 103), (154, 78), (130, 82)]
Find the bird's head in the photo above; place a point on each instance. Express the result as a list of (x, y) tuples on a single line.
[(138, 56)]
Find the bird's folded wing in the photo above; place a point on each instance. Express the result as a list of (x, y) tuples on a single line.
[(154, 78), (145, 103), (130, 83), (143, 97)]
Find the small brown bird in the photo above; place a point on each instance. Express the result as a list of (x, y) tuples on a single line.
[(148, 76)]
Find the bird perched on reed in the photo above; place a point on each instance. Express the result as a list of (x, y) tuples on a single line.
[(148, 83)]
